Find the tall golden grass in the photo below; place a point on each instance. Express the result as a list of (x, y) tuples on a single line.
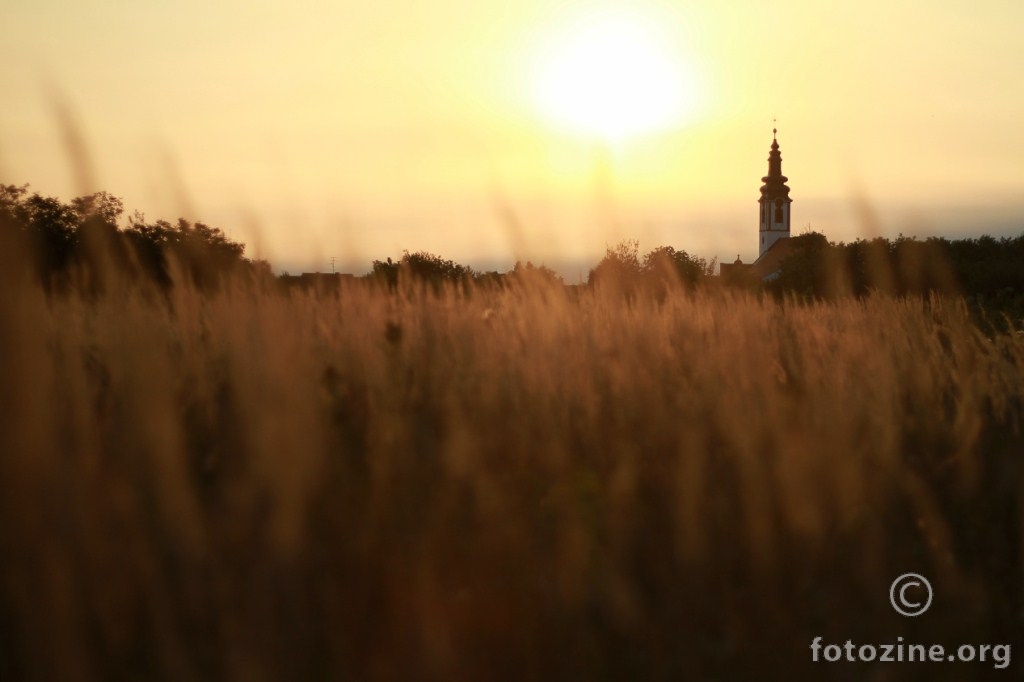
[(501, 484)]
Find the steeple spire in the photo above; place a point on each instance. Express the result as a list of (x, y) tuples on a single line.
[(774, 201), (775, 181)]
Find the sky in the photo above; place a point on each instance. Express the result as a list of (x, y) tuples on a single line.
[(547, 130)]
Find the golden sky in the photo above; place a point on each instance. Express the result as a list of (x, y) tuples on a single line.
[(488, 131)]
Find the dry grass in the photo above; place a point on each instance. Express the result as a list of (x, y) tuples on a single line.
[(505, 485)]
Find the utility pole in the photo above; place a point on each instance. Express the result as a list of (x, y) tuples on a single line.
[(332, 264)]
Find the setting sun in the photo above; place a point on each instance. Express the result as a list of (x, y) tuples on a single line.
[(612, 76)]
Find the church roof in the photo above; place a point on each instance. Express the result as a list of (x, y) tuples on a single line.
[(765, 268), (770, 262)]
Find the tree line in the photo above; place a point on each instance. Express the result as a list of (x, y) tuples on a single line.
[(82, 242), (622, 268), (987, 271)]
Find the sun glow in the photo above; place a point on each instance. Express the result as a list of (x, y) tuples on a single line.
[(613, 77)]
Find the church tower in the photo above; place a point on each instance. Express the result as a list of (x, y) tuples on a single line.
[(774, 201)]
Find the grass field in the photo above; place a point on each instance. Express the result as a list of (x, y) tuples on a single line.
[(508, 484)]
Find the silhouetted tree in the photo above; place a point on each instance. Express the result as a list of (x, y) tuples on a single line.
[(85, 233), (989, 272), (421, 268), (534, 274), (491, 279), (432, 268), (149, 242), (665, 268), (102, 250), (385, 273), (658, 272), (803, 272), (51, 227), (620, 268)]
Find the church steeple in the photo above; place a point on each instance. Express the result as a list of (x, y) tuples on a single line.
[(774, 201)]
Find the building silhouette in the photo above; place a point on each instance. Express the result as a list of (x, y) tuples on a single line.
[(774, 201), (773, 223)]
